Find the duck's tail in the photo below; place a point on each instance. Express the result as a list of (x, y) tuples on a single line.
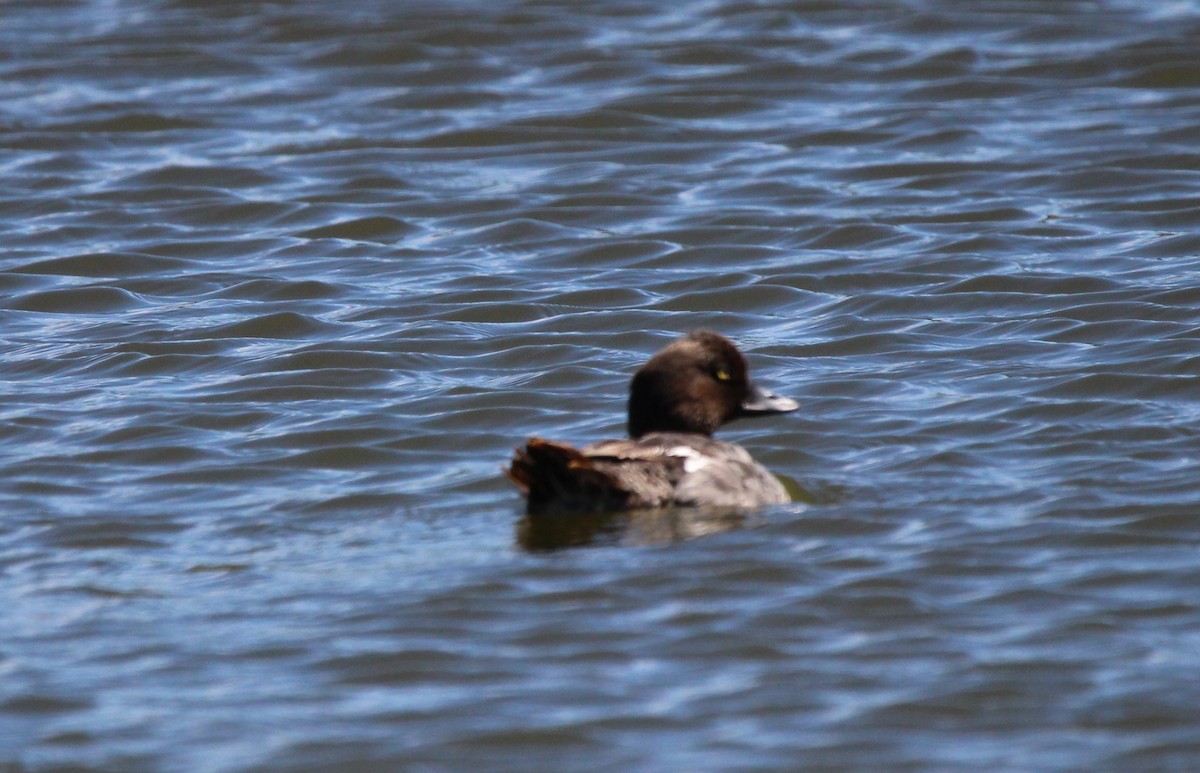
[(558, 478)]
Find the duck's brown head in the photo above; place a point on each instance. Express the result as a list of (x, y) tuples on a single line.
[(696, 384)]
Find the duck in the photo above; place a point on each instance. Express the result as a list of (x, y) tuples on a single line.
[(677, 400)]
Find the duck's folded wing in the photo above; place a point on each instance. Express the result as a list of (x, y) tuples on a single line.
[(705, 471)]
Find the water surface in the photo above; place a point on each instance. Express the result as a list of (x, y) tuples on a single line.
[(283, 284)]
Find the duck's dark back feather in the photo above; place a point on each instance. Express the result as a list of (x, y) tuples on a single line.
[(556, 477)]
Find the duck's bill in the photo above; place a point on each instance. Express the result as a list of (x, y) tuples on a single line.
[(761, 401)]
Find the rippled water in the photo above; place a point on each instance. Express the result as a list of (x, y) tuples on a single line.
[(284, 283)]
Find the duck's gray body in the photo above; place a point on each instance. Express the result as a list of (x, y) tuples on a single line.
[(661, 469), (696, 471)]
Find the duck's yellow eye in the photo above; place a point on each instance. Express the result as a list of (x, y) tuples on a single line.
[(722, 374)]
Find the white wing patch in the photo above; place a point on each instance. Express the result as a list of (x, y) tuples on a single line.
[(693, 460)]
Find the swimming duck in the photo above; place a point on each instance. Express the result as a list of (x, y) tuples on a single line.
[(676, 401)]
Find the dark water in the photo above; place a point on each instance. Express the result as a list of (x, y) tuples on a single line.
[(284, 283)]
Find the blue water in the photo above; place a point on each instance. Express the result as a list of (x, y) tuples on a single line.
[(284, 284)]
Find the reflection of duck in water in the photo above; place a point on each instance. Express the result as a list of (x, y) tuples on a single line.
[(676, 401)]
